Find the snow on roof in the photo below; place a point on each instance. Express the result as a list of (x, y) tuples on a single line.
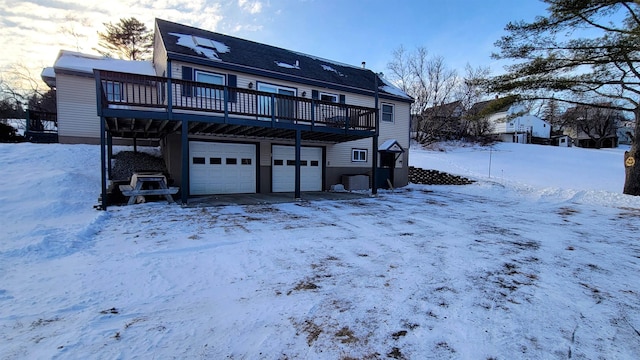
[(48, 75), (48, 72), (328, 61), (329, 68), (391, 145), (516, 109), (528, 118), (207, 47), (288, 66), (75, 61), (388, 87)]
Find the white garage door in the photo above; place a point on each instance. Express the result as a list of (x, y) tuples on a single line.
[(283, 165), (221, 168)]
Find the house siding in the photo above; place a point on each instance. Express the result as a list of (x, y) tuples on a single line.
[(244, 79), (172, 152), (338, 156), (159, 55), (78, 122)]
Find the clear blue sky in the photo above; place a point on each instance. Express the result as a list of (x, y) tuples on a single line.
[(348, 31)]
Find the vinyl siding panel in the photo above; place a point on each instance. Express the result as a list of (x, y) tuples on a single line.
[(243, 81), (265, 153), (77, 112), (338, 155), (159, 55)]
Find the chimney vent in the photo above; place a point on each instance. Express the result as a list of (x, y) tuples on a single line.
[(364, 63)]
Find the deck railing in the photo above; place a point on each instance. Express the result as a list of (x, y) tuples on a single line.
[(122, 90), (41, 126)]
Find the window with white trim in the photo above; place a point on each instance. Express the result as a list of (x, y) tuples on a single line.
[(387, 112), (285, 108), (209, 78), (359, 155), (328, 97)]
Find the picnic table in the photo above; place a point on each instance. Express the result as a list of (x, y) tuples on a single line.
[(156, 184)]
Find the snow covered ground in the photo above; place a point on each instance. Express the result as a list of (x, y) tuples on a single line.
[(539, 259)]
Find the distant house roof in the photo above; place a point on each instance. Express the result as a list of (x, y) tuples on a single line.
[(505, 104), (482, 105), (208, 48), (449, 110), (84, 64)]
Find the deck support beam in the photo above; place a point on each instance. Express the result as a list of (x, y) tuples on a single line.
[(109, 155), (374, 159), (103, 175), (184, 196), (297, 173)]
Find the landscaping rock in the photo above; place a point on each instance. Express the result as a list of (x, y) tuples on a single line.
[(435, 177)]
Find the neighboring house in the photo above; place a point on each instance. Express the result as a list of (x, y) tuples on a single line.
[(72, 76), (593, 126), (523, 129), (502, 117), (235, 116), (509, 123), (625, 132), (442, 122)]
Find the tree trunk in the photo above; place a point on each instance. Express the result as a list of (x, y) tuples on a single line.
[(632, 162), (598, 143)]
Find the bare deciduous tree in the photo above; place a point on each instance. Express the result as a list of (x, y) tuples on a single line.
[(77, 28), (598, 123), (430, 83)]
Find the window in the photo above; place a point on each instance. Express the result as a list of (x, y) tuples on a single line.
[(198, 160), (113, 90), (278, 162), (209, 78), (314, 162), (387, 112), (359, 155), (329, 97), (245, 161), (291, 163), (285, 108), (232, 161), (215, 161)]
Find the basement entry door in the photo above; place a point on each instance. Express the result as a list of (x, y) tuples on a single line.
[(283, 165), (221, 168)]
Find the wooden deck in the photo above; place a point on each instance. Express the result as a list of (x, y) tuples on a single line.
[(149, 106)]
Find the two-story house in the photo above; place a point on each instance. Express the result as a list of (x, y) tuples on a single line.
[(509, 122), (236, 116)]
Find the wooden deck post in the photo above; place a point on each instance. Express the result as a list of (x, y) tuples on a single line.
[(109, 155), (374, 155), (297, 176), (184, 184), (103, 176)]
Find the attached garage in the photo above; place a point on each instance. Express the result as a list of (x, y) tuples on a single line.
[(283, 162), (221, 168)]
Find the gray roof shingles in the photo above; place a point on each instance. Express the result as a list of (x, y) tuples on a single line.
[(264, 57)]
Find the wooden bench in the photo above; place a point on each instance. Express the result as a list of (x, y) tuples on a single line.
[(163, 190)]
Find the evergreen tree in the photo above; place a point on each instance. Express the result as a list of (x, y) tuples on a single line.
[(127, 39), (581, 47), (551, 112)]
